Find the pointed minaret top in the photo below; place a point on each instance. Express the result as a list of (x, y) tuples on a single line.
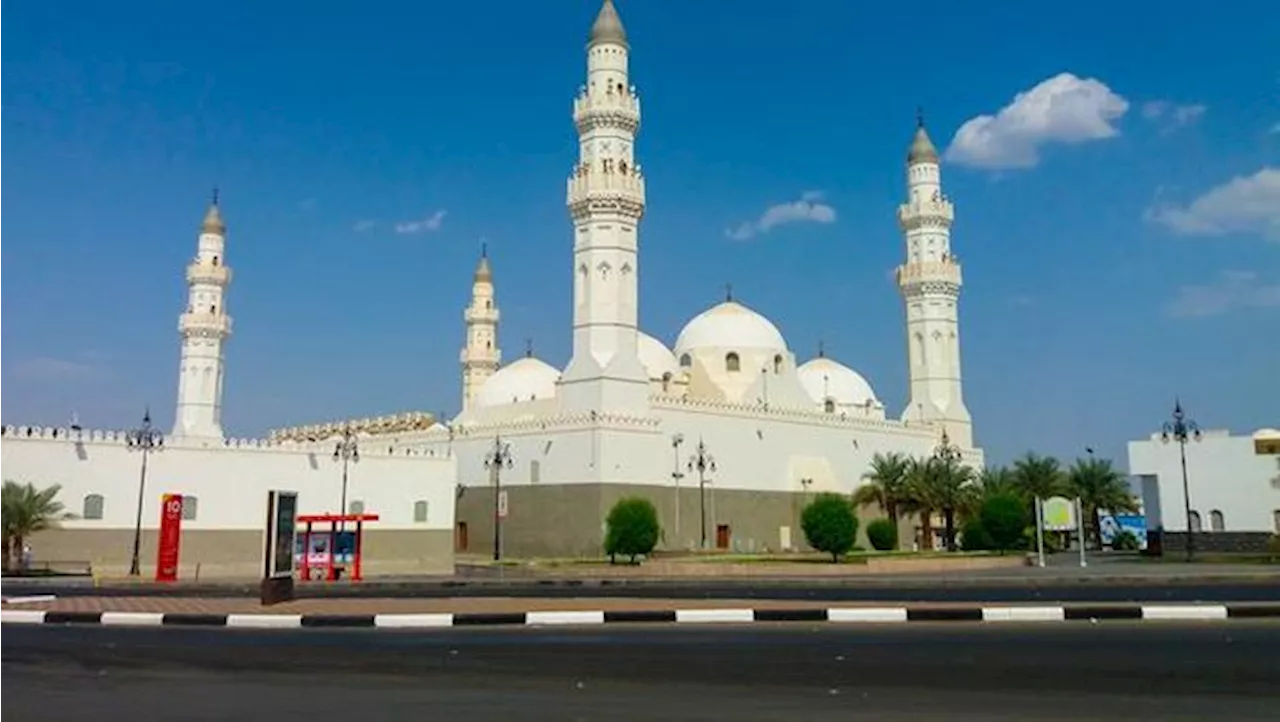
[(922, 150), (608, 27), (213, 218), (483, 273)]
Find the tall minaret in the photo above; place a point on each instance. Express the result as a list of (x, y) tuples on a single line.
[(204, 327), (480, 357), (606, 202), (930, 283)]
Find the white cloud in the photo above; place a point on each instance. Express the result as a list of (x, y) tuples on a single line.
[(1063, 109), (364, 225), (1171, 116), (1244, 204), (428, 224), (55, 369), (1275, 129), (1232, 290), (809, 209)]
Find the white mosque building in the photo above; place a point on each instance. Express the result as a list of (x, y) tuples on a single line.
[(727, 432), (628, 415)]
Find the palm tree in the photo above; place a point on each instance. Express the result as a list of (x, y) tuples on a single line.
[(1038, 477), (997, 480), (27, 510), (1099, 485), (948, 487), (886, 485)]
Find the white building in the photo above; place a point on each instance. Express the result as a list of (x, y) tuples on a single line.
[(628, 412), (225, 481), (1234, 485)]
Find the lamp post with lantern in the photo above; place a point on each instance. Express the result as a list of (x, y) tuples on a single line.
[(145, 439), (1182, 429)]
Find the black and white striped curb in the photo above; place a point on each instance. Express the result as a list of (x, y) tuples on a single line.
[(866, 615)]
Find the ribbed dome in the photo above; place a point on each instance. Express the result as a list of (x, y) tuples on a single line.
[(825, 379), (656, 358), (608, 27), (528, 379), (732, 326)]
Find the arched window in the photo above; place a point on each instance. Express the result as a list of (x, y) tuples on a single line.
[(190, 507), (666, 382), (1216, 521), (213, 308), (420, 511), (685, 360), (93, 504), (777, 364), (488, 305), (355, 507), (829, 406), (215, 260), (732, 362), (1195, 522)]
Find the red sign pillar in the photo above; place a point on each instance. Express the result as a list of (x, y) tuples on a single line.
[(170, 538)]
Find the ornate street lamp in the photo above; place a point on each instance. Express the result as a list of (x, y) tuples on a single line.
[(947, 452), (346, 450), (498, 458), (146, 439), (676, 476), (702, 461), (1182, 429)]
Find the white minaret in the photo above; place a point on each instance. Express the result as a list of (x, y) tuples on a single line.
[(204, 327), (480, 356), (930, 283), (606, 202)]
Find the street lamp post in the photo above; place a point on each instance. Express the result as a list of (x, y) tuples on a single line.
[(676, 476), (702, 461), (146, 439), (494, 461), (346, 450), (1182, 429), (948, 454)]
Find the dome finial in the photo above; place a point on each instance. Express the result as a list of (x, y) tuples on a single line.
[(213, 217), (608, 27), (728, 292), (484, 274), (822, 349), (528, 348), (919, 116)]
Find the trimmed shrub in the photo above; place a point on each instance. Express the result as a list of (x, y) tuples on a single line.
[(632, 528), (830, 525), (1126, 541), (974, 536), (883, 534), (1004, 517)]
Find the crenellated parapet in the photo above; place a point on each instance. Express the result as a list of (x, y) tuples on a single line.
[(560, 422), (606, 188), (371, 426), (937, 212), (616, 107), (810, 416)]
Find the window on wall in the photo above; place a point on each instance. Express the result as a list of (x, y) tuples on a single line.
[(420, 511), (1216, 521), (535, 471), (777, 364), (685, 360), (829, 406), (732, 362), (355, 507), (93, 504), (190, 507), (1195, 521)]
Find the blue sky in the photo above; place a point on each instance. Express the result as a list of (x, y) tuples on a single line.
[(1119, 224)]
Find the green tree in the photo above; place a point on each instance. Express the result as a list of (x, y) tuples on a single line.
[(631, 528), (883, 534), (1099, 486), (829, 524), (1003, 518), (886, 485), (25, 511), (1038, 477), (919, 495), (995, 480), (947, 486), (974, 536)]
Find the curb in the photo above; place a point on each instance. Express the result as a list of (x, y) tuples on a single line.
[(864, 615)]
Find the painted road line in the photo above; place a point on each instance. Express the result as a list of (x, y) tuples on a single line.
[(30, 599), (867, 614), (21, 616), (571, 617), (709, 616), (1023, 614), (264, 621), (132, 619), (412, 621), (1185, 611)]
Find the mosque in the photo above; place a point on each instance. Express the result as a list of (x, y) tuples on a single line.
[(728, 431)]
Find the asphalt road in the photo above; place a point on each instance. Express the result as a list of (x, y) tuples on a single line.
[(1077, 671)]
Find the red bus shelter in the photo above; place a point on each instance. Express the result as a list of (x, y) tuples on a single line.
[(332, 570)]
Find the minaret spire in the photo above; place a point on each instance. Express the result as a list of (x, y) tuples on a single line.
[(204, 327), (480, 354), (606, 202), (930, 281)]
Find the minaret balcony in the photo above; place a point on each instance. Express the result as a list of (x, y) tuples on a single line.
[(607, 187), (480, 358), (481, 315), (204, 324), (947, 272), (926, 213), (608, 105), (208, 273)]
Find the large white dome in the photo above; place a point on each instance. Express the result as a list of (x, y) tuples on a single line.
[(528, 379), (656, 358), (730, 326), (825, 379)]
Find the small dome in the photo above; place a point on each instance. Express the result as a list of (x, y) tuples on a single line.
[(730, 326), (528, 379), (922, 150), (825, 379), (657, 359), (608, 26)]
